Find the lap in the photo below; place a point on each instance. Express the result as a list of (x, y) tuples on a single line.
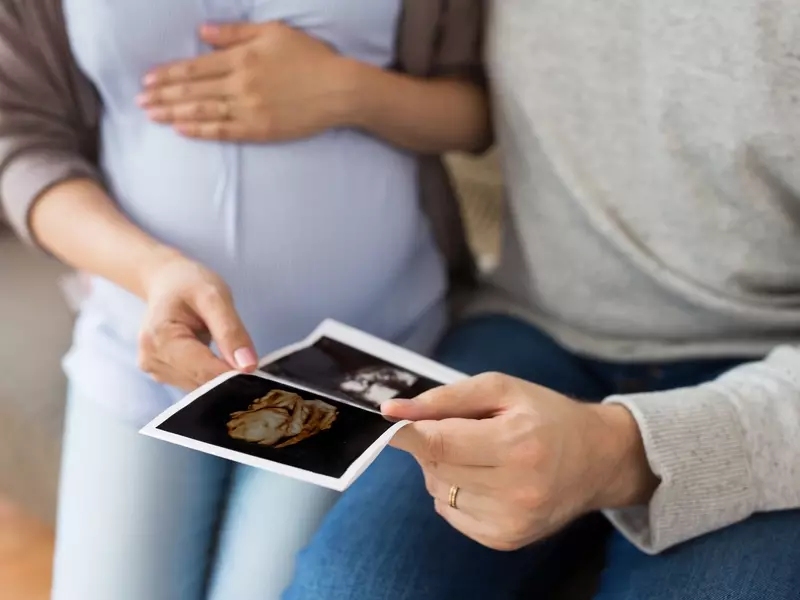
[(141, 518), (758, 559), (384, 541), (268, 519), (136, 515)]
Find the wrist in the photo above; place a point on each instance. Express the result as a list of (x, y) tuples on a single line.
[(152, 264), (624, 477), (356, 92)]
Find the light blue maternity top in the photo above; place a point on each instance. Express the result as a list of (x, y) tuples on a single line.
[(301, 231)]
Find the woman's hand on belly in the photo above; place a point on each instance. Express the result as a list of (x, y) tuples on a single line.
[(266, 81), (269, 82), (188, 306)]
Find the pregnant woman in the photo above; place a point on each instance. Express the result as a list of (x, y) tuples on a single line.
[(248, 182)]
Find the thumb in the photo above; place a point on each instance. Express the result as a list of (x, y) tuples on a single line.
[(228, 331), (476, 398), (229, 34)]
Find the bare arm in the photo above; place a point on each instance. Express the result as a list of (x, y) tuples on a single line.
[(78, 223), (429, 116)]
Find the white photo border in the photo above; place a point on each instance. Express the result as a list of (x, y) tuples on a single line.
[(339, 332), (338, 484)]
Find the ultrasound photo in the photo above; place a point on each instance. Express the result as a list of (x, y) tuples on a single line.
[(311, 411), (255, 417), (340, 369)]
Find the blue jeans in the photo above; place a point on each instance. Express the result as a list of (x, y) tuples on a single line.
[(141, 519), (383, 540)]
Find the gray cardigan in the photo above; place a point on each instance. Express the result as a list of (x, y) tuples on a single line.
[(49, 110)]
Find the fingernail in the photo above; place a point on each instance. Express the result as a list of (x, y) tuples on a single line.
[(150, 79), (142, 100), (245, 358), (209, 30)]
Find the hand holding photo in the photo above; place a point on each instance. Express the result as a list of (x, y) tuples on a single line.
[(348, 364), (311, 412)]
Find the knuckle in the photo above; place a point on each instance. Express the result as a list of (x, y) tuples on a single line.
[(249, 57), (529, 498), (523, 446), (435, 445), (522, 453), (208, 296), (254, 101), (494, 380), (187, 71), (228, 331)]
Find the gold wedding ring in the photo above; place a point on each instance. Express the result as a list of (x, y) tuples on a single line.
[(453, 501)]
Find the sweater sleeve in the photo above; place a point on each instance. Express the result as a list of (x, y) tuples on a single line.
[(42, 131), (723, 451), (459, 47)]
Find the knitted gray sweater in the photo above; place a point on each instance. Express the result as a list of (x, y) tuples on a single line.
[(652, 154)]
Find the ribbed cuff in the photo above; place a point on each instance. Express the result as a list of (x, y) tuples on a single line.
[(695, 445), (30, 175)]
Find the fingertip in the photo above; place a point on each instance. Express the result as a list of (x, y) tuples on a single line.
[(245, 359), (209, 31), (186, 129), (396, 408)]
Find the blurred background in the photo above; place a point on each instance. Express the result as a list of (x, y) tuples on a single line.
[(35, 325)]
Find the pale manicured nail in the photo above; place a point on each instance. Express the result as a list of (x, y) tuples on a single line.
[(150, 79), (209, 30), (245, 358)]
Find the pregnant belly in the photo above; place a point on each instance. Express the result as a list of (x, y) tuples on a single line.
[(327, 227)]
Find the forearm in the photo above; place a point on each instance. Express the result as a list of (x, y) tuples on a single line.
[(429, 116), (78, 223)]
